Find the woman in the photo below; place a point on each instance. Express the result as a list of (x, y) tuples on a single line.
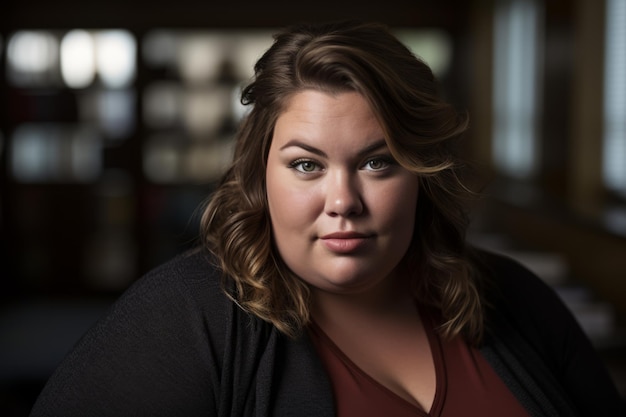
[(335, 278)]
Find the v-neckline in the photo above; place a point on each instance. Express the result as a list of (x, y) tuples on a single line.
[(437, 357)]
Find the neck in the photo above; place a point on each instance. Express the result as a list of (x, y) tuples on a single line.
[(390, 298)]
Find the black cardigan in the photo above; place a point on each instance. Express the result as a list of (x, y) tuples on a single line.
[(175, 345)]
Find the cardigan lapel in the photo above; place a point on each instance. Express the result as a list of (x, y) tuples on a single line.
[(301, 386), (524, 372)]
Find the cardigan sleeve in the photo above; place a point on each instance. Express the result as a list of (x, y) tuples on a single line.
[(545, 323), (154, 353)]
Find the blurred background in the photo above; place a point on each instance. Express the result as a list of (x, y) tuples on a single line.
[(117, 117)]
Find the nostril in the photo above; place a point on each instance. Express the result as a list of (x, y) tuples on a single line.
[(345, 207)]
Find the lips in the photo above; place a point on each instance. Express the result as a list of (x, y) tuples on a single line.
[(344, 242)]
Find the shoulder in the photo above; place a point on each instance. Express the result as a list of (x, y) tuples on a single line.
[(524, 311), (156, 351), (193, 267), (523, 300), (506, 280), (189, 282), (192, 273)]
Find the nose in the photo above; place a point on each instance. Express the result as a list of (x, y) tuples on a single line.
[(343, 196)]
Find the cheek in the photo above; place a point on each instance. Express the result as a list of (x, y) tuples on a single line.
[(292, 220), (397, 202), (290, 208), (395, 211)]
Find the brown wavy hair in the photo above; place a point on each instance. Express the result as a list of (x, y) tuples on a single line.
[(421, 130)]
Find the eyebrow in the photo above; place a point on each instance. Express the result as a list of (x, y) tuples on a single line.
[(381, 143)]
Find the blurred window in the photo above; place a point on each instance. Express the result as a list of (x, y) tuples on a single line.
[(614, 143), (33, 58), (77, 64), (48, 153), (191, 105), (106, 55), (112, 111), (116, 57), (432, 45), (516, 86)]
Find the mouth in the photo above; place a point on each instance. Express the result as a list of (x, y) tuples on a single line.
[(344, 242), (344, 235)]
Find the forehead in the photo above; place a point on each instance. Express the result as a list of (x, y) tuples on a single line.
[(311, 112), (338, 126), (314, 100)]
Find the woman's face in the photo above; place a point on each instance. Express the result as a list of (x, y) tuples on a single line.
[(342, 210)]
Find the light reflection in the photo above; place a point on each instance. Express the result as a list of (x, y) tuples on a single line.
[(516, 80), (34, 155), (247, 49), (162, 103), (168, 159), (432, 45), (206, 162), (32, 57), (108, 54), (117, 112), (200, 57), (113, 111), (204, 110), (78, 66), (55, 153), (159, 48), (614, 132), (116, 57)]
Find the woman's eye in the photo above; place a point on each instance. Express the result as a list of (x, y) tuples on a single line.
[(377, 164), (305, 166)]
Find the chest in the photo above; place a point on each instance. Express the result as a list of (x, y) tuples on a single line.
[(447, 378)]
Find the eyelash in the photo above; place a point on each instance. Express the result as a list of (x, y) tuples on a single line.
[(385, 160), (298, 162)]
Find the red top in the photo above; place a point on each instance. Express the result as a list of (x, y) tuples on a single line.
[(466, 384)]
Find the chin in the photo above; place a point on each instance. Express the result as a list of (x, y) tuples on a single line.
[(347, 282)]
